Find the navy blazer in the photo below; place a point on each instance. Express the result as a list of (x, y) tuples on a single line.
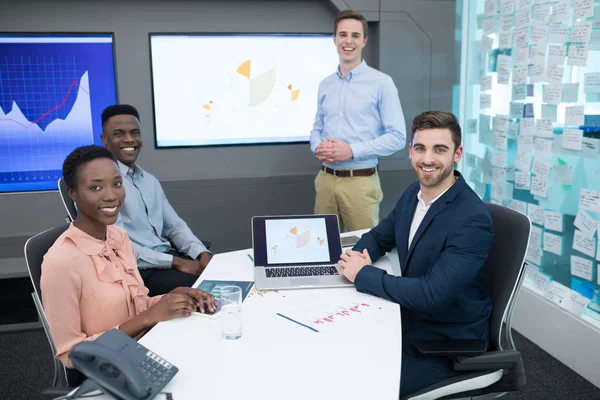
[(441, 291)]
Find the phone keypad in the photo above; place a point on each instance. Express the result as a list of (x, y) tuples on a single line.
[(156, 368)]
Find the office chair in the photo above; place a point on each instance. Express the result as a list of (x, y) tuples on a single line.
[(72, 208), (35, 248), (67, 201), (491, 373)]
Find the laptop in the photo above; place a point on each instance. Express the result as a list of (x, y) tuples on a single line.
[(297, 251)]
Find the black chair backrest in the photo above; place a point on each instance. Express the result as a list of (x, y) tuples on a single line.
[(35, 249), (505, 263), (66, 199)]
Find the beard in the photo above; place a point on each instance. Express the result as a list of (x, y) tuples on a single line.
[(431, 181)]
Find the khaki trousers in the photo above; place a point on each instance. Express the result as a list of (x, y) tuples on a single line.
[(355, 200)]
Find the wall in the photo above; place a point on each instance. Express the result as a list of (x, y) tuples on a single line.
[(216, 188)]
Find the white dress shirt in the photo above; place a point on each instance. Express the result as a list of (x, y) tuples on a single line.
[(420, 212)]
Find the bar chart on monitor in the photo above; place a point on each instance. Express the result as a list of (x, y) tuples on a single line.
[(52, 91)]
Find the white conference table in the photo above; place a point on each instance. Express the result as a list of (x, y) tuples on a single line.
[(356, 357)]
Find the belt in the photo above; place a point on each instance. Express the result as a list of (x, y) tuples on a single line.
[(344, 173)]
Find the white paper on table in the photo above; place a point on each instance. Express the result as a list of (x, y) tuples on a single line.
[(525, 143), (521, 37), (536, 213), (561, 11), (574, 115), (557, 293), (572, 139), (589, 200), (557, 53), (505, 40), (519, 92), (535, 238), (542, 147), (516, 110), (486, 83), (534, 255), (527, 126), (581, 267), (581, 32), (552, 94), (520, 77), (541, 14), (578, 55), (539, 186), (550, 111), (485, 101), (575, 303), (537, 73), (541, 167), (570, 92), (585, 223), (522, 180), (557, 33), (553, 243), (537, 54), (583, 9), (591, 82), (553, 220), (506, 24), (500, 122), (539, 34), (523, 161), (563, 174)]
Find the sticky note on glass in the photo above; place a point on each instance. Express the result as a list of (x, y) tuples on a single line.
[(578, 55), (550, 111), (552, 94), (581, 267), (536, 214), (522, 180), (561, 11), (530, 90), (541, 14), (570, 92), (563, 174), (572, 139), (553, 220), (539, 186), (581, 32), (585, 223), (589, 200), (574, 116), (583, 9), (529, 110), (485, 101), (584, 244), (534, 255), (553, 243), (486, 82), (557, 33), (535, 237), (519, 92), (554, 74), (591, 82)]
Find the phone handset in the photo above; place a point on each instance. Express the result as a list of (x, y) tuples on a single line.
[(107, 371)]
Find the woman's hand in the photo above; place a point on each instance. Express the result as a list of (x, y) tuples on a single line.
[(201, 297), (172, 305)]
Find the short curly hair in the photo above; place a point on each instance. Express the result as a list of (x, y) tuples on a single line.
[(78, 158)]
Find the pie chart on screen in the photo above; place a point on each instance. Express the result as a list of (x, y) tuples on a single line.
[(297, 237), (261, 76)]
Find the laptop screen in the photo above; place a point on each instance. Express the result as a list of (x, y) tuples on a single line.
[(296, 240)]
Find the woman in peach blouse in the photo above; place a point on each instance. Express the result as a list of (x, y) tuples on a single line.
[(90, 281)]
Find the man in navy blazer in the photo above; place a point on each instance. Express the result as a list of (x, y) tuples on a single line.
[(443, 233)]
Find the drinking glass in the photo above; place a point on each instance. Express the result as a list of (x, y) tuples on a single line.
[(231, 312)]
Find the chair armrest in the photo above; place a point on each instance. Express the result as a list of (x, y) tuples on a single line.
[(493, 360), (451, 348), (54, 392)]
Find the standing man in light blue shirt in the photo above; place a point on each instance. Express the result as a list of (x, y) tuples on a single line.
[(167, 252), (359, 118)]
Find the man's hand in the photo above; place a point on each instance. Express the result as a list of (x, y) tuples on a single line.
[(199, 296), (324, 152), (192, 267), (204, 259), (340, 151), (352, 262)]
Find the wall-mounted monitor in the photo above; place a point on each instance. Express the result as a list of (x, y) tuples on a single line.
[(237, 89), (53, 88)]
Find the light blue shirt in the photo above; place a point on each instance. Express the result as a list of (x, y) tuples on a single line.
[(363, 111), (151, 222)]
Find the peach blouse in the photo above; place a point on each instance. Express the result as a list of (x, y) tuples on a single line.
[(90, 286)]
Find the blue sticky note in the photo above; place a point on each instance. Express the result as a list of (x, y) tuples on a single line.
[(588, 290), (530, 89), (577, 285), (529, 110)]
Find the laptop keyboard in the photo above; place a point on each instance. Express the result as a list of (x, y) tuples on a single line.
[(301, 271)]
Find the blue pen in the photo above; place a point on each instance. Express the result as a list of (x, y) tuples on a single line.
[(299, 323)]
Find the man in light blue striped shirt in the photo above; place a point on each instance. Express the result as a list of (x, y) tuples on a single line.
[(359, 118), (169, 255)]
